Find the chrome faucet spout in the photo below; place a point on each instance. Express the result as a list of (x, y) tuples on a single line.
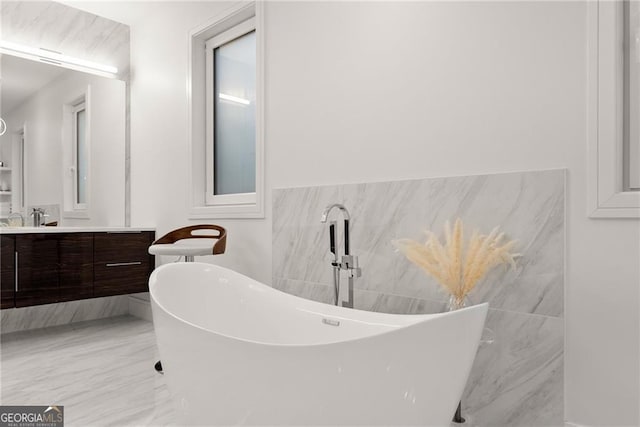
[(38, 215), (328, 209)]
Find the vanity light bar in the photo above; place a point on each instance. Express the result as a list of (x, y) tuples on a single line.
[(234, 99), (55, 58)]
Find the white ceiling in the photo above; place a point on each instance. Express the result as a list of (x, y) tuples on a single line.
[(20, 78)]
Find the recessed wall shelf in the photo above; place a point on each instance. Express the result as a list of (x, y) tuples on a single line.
[(5, 169)]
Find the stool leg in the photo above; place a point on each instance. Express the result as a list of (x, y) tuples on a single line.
[(158, 365), (457, 418)]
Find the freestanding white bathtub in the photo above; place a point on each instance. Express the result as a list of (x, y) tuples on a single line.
[(236, 351)]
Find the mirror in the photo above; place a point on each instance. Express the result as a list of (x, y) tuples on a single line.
[(65, 146)]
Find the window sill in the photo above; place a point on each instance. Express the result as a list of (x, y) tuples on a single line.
[(624, 204), (76, 215), (226, 212)]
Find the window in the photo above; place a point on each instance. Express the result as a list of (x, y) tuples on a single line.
[(18, 175), (80, 156), (613, 109), (226, 137), (20, 163), (76, 147), (231, 116)]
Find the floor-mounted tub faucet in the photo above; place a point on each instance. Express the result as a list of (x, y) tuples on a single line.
[(348, 262)]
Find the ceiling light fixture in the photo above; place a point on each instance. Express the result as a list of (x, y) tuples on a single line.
[(56, 58)]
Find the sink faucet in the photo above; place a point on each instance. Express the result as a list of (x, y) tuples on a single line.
[(348, 262), (38, 217)]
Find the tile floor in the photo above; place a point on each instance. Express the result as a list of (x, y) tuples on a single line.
[(101, 371)]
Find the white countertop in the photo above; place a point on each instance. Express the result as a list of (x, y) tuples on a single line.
[(26, 230)]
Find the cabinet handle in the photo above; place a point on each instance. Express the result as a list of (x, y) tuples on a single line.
[(15, 267), (122, 264)]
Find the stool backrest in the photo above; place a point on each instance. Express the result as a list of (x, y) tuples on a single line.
[(187, 233)]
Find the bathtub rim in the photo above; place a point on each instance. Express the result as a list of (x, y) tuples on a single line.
[(416, 319)]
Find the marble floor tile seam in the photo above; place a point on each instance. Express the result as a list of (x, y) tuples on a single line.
[(73, 338), (79, 356), (108, 380), (11, 351), (78, 331), (76, 326)]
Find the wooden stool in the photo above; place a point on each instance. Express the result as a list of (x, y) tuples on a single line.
[(183, 242)]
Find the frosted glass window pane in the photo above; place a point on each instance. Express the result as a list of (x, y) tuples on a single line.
[(632, 96), (234, 144), (81, 158), (21, 163)]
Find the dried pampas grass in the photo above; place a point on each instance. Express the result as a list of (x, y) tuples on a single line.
[(456, 269)]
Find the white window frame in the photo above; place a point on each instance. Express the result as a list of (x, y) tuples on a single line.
[(81, 106), (606, 196), (248, 205), (72, 209), (632, 101), (19, 174), (211, 199)]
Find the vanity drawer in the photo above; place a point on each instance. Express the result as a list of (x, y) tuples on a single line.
[(122, 247), (121, 278), (122, 263)]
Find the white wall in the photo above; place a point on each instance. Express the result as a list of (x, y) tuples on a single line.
[(369, 92), (41, 117), (47, 159), (380, 91), (159, 157)]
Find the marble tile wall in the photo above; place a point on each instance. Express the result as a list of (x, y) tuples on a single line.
[(42, 316), (71, 31), (517, 379)]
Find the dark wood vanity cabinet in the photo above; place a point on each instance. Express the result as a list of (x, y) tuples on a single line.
[(75, 266), (7, 271), (122, 264), (37, 269), (43, 268)]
